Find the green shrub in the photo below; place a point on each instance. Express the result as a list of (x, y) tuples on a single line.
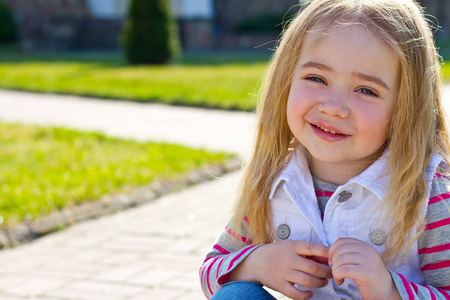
[(150, 35), (8, 29)]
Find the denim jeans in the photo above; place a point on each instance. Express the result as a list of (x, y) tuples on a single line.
[(240, 290)]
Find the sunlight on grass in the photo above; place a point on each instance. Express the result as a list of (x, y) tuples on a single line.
[(219, 84), (226, 86), (44, 169)]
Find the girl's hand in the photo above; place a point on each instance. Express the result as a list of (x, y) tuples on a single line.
[(359, 261), (281, 264)]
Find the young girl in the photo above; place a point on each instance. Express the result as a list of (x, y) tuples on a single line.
[(345, 195)]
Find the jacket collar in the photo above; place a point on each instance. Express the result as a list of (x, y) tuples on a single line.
[(374, 178)]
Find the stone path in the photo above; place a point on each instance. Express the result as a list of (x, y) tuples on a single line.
[(201, 128), (150, 252)]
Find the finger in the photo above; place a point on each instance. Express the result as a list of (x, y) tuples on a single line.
[(313, 268), (346, 251), (306, 280), (339, 242), (290, 291), (318, 259), (310, 249), (343, 244), (339, 281), (347, 258), (346, 271)]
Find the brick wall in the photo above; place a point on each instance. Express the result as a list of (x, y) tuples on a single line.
[(48, 24), (61, 25)]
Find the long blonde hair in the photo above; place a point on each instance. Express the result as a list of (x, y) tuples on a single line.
[(417, 129)]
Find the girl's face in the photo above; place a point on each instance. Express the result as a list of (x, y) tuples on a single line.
[(342, 98)]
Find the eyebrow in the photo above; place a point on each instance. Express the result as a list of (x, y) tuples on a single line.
[(313, 64), (320, 66)]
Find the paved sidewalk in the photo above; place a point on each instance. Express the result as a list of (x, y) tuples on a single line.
[(201, 128), (150, 252)]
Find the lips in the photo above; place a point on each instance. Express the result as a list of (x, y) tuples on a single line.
[(327, 128), (328, 133)]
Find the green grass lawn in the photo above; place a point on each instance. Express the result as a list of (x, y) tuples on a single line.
[(224, 81), (45, 169), (222, 86)]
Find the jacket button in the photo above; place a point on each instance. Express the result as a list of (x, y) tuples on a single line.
[(344, 196), (378, 237), (283, 231)]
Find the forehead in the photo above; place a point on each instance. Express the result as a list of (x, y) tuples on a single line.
[(351, 49), (345, 36), (321, 31)]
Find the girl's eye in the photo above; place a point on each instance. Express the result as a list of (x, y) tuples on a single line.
[(316, 79), (368, 92)]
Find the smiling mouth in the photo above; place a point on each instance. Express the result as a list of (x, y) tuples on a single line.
[(326, 130)]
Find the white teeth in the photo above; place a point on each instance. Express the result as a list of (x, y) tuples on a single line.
[(326, 130)]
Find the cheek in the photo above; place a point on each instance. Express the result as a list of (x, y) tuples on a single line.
[(375, 128), (300, 100), (295, 113)]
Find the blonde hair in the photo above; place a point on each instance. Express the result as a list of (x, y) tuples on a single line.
[(417, 129)]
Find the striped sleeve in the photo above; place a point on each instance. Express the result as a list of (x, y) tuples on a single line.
[(226, 254), (434, 248)]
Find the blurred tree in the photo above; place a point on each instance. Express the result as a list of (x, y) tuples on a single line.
[(150, 35), (8, 28)]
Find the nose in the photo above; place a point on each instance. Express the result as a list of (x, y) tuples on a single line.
[(334, 107)]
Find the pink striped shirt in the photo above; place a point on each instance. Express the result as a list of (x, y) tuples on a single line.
[(434, 251)]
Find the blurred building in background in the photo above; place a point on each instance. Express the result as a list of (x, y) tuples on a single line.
[(69, 24), (97, 24), (203, 24), (231, 24)]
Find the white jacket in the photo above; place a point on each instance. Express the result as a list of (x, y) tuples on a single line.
[(426, 275), (350, 212)]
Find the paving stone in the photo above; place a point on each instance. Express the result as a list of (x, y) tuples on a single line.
[(192, 295), (184, 281), (109, 258), (160, 294), (119, 265), (9, 297), (95, 290), (155, 276), (32, 286), (121, 272), (7, 280)]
